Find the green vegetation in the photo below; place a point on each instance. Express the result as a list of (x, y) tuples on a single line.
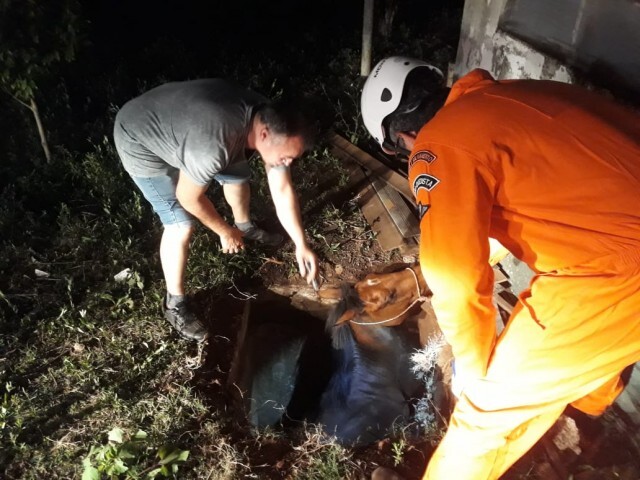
[(47, 36), (93, 383)]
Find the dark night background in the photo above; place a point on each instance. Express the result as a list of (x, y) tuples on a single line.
[(296, 39), (85, 353), (296, 47), (209, 31), (126, 47)]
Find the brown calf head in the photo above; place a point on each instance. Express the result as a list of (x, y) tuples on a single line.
[(387, 295)]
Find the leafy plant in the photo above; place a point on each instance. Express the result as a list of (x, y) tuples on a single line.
[(326, 464), (424, 368), (121, 458), (398, 448), (35, 36), (10, 422)]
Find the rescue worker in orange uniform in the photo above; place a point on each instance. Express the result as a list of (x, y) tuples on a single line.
[(551, 171)]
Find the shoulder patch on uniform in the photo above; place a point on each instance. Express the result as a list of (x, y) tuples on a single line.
[(422, 209), (424, 156), (424, 181)]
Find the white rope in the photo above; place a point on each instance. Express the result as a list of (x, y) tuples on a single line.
[(421, 298)]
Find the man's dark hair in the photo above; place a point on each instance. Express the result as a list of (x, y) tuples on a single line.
[(294, 116), (423, 95)]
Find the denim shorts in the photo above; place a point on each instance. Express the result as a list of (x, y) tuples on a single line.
[(160, 192), (237, 173)]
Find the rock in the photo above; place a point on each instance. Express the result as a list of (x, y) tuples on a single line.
[(567, 436)]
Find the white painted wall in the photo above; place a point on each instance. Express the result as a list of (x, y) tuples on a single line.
[(483, 45)]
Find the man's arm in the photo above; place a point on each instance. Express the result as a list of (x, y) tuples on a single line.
[(285, 200), (193, 199)]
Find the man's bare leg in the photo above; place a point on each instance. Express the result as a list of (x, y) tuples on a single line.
[(174, 253), (238, 196)]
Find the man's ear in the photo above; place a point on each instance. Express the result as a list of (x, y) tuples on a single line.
[(408, 139), (264, 132)]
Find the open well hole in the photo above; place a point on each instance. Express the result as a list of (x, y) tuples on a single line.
[(285, 326), (289, 368), (285, 369)]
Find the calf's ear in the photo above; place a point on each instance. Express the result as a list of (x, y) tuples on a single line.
[(346, 316)]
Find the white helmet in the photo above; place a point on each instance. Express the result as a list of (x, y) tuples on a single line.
[(382, 93)]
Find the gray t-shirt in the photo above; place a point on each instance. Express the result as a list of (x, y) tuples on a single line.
[(197, 126)]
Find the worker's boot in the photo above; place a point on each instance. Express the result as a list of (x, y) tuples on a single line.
[(184, 321)]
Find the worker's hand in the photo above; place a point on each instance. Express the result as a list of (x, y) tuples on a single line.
[(307, 263), (231, 240)]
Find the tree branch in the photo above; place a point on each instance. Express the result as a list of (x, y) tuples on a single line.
[(18, 100)]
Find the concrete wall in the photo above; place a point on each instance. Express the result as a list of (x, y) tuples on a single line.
[(483, 45)]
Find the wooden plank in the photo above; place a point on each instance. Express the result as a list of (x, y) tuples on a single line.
[(379, 219), (505, 303), (344, 149), (357, 180), (499, 276), (402, 216), (239, 354), (377, 211), (374, 212)]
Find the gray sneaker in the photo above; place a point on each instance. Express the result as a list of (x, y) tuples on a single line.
[(256, 234), (185, 322)]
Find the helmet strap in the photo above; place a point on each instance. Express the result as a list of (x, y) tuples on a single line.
[(400, 152)]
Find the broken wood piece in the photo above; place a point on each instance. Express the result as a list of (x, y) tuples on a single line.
[(374, 212), (344, 149), (403, 218), (378, 218)]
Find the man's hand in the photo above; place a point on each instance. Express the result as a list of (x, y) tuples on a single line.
[(231, 240), (307, 263)]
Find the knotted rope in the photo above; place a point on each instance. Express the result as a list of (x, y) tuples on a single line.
[(420, 298)]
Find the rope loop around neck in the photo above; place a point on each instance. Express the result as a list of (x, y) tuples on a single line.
[(420, 298)]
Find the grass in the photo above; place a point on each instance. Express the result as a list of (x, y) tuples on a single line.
[(83, 355)]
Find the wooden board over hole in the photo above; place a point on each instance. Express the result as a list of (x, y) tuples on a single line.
[(380, 200), (377, 216), (342, 148), (402, 216)]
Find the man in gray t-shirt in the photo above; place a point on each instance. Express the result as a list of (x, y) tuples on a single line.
[(176, 138)]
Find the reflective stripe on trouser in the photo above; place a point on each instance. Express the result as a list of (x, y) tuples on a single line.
[(567, 342)]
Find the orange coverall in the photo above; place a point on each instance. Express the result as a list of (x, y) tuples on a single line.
[(551, 171)]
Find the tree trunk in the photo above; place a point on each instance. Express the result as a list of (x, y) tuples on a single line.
[(41, 132), (367, 28), (388, 15)]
